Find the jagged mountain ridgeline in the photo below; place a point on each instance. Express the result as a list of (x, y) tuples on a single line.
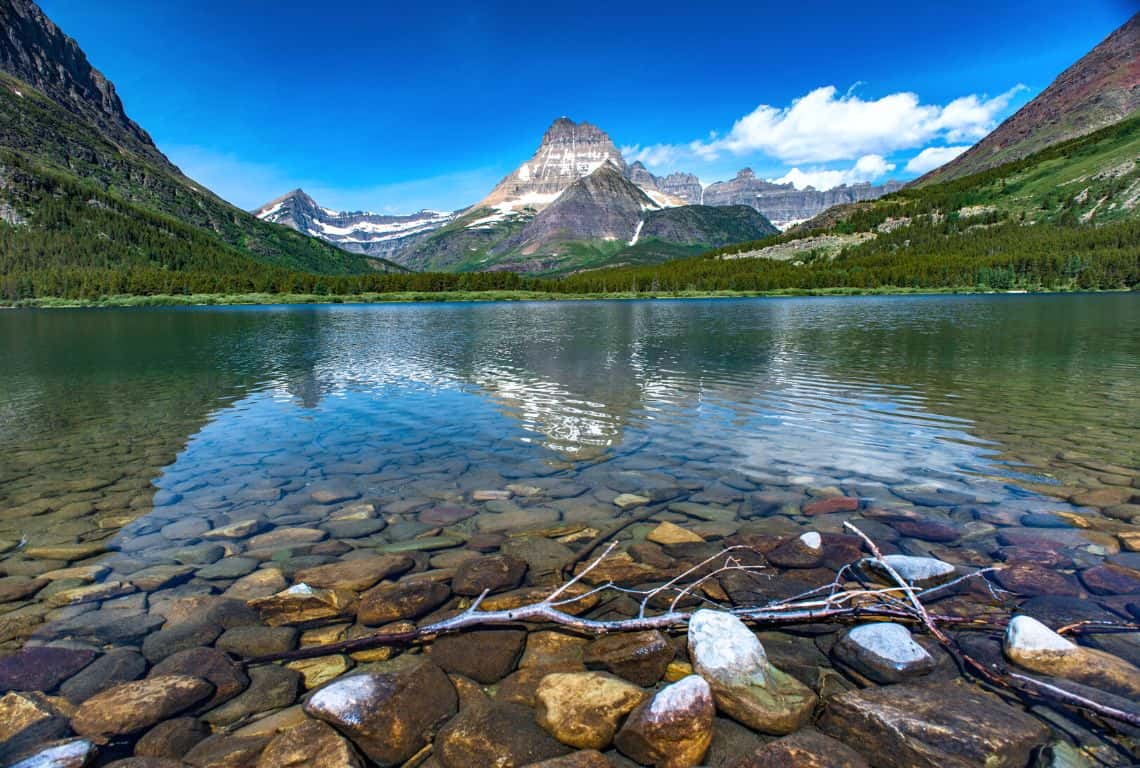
[(574, 204)]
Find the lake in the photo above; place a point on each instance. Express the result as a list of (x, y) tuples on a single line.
[(980, 430)]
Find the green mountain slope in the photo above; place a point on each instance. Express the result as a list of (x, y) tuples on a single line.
[(47, 136), (61, 121)]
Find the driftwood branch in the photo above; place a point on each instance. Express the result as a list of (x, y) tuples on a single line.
[(848, 598), (1007, 680)]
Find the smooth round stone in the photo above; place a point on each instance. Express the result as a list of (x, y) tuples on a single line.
[(492, 573), (495, 734), (745, 685), (406, 599), (270, 687), (254, 641), (353, 529), (41, 668), (228, 568), (584, 709), (672, 730), (136, 706), (311, 744), (445, 515), (884, 652), (640, 657), (179, 637), (804, 551), (172, 739), (918, 571), (1032, 580), (73, 753), (388, 715), (357, 574), (485, 656), (210, 664), (120, 665), (1111, 579)]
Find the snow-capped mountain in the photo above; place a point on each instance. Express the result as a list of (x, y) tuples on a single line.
[(569, 151), (360, 232)]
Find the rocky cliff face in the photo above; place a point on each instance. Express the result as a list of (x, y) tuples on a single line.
[(1102, 88), (35, 50), (685, 186), (783, 204), (569, 151), (357, 231), (603, 205)]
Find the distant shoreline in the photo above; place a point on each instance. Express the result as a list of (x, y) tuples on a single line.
[(427, 297)]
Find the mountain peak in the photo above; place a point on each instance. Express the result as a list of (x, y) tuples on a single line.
[(568, 152)]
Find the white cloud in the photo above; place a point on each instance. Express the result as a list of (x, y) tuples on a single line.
[(825, 126), (866, 168), (932, 157)]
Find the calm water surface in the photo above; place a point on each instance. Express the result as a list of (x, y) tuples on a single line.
[(972, 411)]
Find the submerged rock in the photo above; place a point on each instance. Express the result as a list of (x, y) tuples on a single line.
[(583, 709), (640, 657), (486, 655), (357, 574), (389, 716), (26, 721), (74, 753), (302, 603), (492, 573), (805, 551), (807, 748), (941, 725), (312, 744), (917, 571), (673, 729), (1031, 644), (671, 533), (884, 652), (745, 685), (407, 599), (496, 734), (41, 668), (132, 707)]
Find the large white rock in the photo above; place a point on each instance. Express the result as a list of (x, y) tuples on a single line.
[(1026, 636), (745, 685), (1031, 644), (722, 647)]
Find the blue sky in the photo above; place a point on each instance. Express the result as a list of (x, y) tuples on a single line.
[(399, 106)]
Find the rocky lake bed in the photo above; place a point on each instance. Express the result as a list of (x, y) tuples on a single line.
[(153, 551)]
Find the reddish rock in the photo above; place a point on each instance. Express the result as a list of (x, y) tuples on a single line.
[(831, 506), (41, 668), (1111, 579), (1032, 580)]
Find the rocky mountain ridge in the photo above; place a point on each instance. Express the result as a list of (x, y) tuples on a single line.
[(33, 49), (374, 234)]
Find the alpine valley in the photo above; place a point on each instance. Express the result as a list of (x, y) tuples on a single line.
[(91, 209), (552, 215), (574, 204)]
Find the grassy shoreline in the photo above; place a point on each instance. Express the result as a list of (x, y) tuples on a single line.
[(254, 299)]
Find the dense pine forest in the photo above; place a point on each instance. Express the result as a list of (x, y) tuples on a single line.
[(1053, 221)]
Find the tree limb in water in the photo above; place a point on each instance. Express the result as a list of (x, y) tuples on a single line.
[(836, 602)]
